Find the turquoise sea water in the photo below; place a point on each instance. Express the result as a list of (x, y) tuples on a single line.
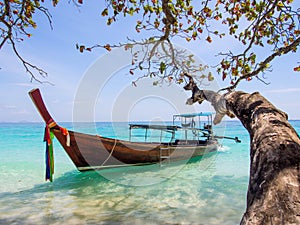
[(210, 191)]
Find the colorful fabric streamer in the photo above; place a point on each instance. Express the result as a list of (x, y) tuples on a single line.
[(48, 137), (49, 154), (65, 132)]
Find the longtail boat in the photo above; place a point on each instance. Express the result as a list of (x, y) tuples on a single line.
[(92, 152)]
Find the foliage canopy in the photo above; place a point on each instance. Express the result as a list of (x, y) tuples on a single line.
[(269, 24)]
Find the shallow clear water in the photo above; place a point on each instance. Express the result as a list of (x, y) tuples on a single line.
[(210, 191)]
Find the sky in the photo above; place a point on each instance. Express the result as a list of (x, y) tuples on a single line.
[(96, 86)]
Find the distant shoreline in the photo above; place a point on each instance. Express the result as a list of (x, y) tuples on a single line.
[(139, 121)]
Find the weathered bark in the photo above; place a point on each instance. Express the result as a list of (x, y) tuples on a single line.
[(274, 187)]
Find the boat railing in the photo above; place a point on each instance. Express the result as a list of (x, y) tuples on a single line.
[(166, 133), (148, 132)]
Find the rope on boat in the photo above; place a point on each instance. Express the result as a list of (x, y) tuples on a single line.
[(110, 154)]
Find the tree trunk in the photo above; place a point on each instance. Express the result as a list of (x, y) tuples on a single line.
[(274, 187)]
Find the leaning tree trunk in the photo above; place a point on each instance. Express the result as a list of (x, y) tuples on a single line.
[(274, 187)]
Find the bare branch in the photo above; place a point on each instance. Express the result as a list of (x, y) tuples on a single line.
[(16, 18)]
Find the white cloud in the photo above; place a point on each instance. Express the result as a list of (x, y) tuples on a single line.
[(10, 107), (21, 112)]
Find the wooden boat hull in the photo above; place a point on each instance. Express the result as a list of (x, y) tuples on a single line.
[(90, 152)]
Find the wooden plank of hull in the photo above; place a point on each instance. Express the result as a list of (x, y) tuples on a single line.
[(91, 151)]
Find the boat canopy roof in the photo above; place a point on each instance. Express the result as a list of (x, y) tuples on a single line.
[(154, 126), (189, 115)]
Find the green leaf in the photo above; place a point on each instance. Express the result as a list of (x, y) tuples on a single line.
[(104, 12), (297, 69), (210, 77), (155, 83), (162, 67)]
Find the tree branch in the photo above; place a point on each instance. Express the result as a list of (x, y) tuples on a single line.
[(16, 17), (263, 65)]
